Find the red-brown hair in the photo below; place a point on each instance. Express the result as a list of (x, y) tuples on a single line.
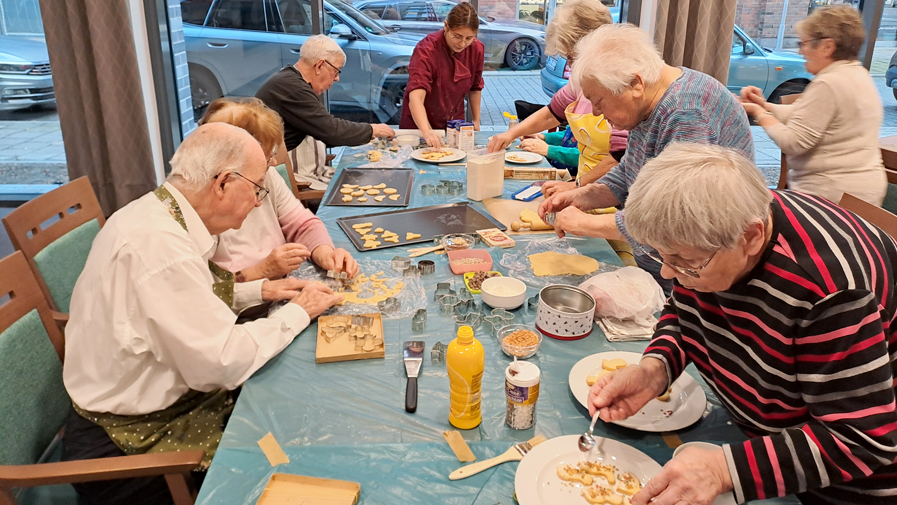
[(463, 15)]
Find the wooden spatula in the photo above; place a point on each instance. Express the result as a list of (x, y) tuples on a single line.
[(515, 453)]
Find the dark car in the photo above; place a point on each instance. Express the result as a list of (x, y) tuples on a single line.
[(891, 75), (233, 46)]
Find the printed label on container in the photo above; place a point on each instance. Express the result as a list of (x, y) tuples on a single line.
[(522, 395)]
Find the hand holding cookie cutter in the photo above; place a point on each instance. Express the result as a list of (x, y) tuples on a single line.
[(549, 218)]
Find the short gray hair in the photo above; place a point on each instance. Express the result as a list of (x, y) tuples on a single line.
[(211, 149), (700, 196), (321, 47), (572, 21), (613, 55)]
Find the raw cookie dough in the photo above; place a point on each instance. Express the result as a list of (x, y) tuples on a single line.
[(379, 198), (369, 236), (363, 199), (346, 191), (357, 192), (347, 198), (380, 186), (362, 225), (365, 188), (395, 198), (555, 263), (370, 244), (350, 186), (378, 230), (411, 236), (374, 155), (373, 191), (390, 191), (363, 231), (535, 222)]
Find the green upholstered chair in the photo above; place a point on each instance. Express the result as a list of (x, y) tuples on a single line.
[(55, 232), (34, 406)]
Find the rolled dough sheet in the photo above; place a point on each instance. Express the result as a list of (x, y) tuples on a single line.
[(555, 263)]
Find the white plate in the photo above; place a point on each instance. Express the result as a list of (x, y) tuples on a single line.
[(686, 405), (456, 155), (723, 499), (527, 156), (537, 482)]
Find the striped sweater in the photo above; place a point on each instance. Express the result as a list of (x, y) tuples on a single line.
[(802, 352)]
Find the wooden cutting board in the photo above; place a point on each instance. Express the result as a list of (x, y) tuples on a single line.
[(287, 489), (343, 348), (508, 210)]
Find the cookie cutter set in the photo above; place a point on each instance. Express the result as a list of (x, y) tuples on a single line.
[(403, 264), (445, 187)]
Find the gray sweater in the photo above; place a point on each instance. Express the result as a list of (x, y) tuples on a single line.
[(303, 113)]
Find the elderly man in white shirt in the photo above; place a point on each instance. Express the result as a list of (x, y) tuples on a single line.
[(153, 349)]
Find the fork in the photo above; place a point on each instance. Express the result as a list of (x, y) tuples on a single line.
[(515, 453)]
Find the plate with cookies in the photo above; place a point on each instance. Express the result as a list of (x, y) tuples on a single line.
[(682, 405), (441, 155), (523, 157), (556, 472)]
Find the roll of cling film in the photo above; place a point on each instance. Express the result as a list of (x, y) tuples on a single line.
[(522, 395)]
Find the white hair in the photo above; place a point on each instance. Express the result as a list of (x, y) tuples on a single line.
[(321, 47), (209, 150), (573, 20), (613, 55), (700, 196)]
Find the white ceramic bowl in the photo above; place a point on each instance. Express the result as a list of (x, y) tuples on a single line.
[(565, 312), (516, 290), (407, 140)]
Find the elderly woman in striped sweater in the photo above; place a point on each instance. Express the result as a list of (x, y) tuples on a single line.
[(785, 303)]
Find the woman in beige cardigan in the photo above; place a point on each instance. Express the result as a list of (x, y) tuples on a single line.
[(830, 135)]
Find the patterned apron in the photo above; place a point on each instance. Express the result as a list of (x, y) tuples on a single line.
[(196, 420)]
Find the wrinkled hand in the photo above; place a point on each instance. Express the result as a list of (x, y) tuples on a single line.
[(540, 136), (434, 140), (572, 221), (499, 141), (696, 476), (382, 131), (338, 260), (753, 94), (535, 146), (283, 260), (283, 289), (753, 110), (561, 200), (552, 187), (315, 298), (622, 393)]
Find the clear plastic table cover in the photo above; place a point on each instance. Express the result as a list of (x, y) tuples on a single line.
[(347, 420)]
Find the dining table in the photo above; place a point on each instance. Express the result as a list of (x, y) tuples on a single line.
[(347, 420)]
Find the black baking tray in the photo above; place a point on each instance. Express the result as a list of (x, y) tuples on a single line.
[(401, 179), (428, 221)]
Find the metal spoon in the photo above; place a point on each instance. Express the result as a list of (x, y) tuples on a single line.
[(586, 440)]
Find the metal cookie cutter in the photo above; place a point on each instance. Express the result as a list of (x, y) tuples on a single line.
[(442, 292), (400, 263), (426, 267), (427, 189), (411, 271), (437, 353), (471, 319), (462, 308), (363, 321), (492, 324), (447, 303), (419, 320), (442, 189), (505, 316), (465, 295), (532, 303), (390, 305), (549, 218)]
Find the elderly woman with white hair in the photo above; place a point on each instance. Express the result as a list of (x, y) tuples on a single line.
[(621, 73), (293, 93), (786, 305)]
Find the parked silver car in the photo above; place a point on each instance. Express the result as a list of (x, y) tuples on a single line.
[(517, 44), (25, 77), (233, 46)]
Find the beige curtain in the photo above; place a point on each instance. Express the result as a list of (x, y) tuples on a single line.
[(99, 97), (696, 34)]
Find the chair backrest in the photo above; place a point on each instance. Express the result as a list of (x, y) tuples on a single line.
[(783, 172), (34, 404), (871, 213), (285, 168), (57, 251)]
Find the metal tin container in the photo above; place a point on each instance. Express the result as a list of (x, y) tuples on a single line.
[(565, 312)]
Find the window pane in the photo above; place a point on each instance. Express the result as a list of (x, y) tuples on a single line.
[(195, 11), (414, 12), (239, 15), (374, 9), (295, 16)]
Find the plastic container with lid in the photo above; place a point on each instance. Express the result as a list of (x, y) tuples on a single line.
[(522, 391), (485, 174), (465, 362)]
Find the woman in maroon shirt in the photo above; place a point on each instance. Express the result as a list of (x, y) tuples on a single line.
[(446, 66)]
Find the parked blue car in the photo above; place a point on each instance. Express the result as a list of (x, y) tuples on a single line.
[(233, 46), (777, 73)]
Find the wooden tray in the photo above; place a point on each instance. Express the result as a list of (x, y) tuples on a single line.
[(341, 348), (286, 489)]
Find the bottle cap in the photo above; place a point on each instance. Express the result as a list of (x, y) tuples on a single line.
[(526, 375), (465, 335)]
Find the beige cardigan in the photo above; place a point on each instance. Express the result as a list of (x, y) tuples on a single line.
[(830, 135)]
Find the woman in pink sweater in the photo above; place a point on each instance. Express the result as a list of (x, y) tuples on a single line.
[(278, 236)]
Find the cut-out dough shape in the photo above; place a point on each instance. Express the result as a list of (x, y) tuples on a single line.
[(347, 198), (411, 236), (365, 188), (370, 244), (362, 225), (390, 191), (373, 191), (363, 199), (363, 231), (395, 198), (592, 379), (666, 396), (380, 186), (369, 236), (357, 193), (379, 198), (378, 230), (555, 263), (346, 191)]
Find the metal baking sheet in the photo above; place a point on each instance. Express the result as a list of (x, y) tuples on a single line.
[(428, 221), (401, 179)]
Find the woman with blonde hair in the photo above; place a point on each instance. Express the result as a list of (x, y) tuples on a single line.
[(277, 237), (830, 135), (600, 145)]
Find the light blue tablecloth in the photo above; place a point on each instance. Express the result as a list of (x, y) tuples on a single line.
[(347, 420)]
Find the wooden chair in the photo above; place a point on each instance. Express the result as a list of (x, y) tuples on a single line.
[(783, 173), (889, 158), (871, 213), (57, 250), (34, 404), (301, 190)]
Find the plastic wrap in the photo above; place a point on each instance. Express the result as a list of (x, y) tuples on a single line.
[(629, 293), (519, 267), (388, 159), (411, 297)]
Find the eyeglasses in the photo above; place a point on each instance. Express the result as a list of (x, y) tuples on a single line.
[(691, 272), (338, 71), (461, 38), (802, 43), (272, 161), (260, 192)]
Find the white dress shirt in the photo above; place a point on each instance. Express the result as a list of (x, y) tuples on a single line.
[(144, 324)]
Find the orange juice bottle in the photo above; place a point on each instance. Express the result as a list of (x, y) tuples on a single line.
[(465, 361)]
